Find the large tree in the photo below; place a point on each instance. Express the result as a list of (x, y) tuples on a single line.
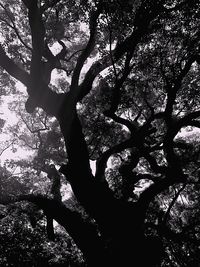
[(121, 79)]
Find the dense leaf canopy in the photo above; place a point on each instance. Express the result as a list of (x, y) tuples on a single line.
[(105, 96)]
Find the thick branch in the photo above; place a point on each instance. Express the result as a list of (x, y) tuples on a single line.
[(37, 33), (83, 233), (49, 101), (189, 118), (194, 123), (93, 194), (153, 163), (7, 64)]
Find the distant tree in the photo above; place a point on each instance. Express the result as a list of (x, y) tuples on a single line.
[(121, 81)]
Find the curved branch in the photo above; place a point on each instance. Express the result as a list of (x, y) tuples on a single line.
[(69, 58), (101, 164), (168, 145), (49, 101), (131, 126)]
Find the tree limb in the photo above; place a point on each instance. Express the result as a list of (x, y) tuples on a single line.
[(101, 163), (89, 47), (13, 69), (13, 26), (95, 195), (129, 44), (156, 188), (189, 118), (37, 33), (172, 203), (84, 234)]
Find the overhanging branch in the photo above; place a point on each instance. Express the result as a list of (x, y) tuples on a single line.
[(13, 69), (83, 233)]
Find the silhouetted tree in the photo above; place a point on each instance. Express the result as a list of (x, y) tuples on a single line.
[(123, 85)]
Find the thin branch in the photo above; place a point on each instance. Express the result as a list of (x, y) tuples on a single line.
[(13, 26), (6, 147), (162, 184), (110, 50), (128, 45), (172, 203), (69, 58), (116, 90), (33, 131)]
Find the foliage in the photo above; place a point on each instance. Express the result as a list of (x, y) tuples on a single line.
[(111, 82), (22, 245)]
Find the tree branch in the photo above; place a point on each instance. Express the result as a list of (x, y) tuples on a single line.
[(172, 203), (128, 45), (162, 184), (13, 26), (83, 233), (89, 47), (153, 163), (95, 195), (37, 33), (12, 68), (116, 91), (194, 123), (101, 163), (49, 101), (189, 118)]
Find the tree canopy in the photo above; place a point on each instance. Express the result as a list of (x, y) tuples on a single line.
[(107, 106)]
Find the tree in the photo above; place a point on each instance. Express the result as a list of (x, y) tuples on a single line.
[(128, 80)]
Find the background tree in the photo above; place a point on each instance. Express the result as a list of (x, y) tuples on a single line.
[(114, 82)]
